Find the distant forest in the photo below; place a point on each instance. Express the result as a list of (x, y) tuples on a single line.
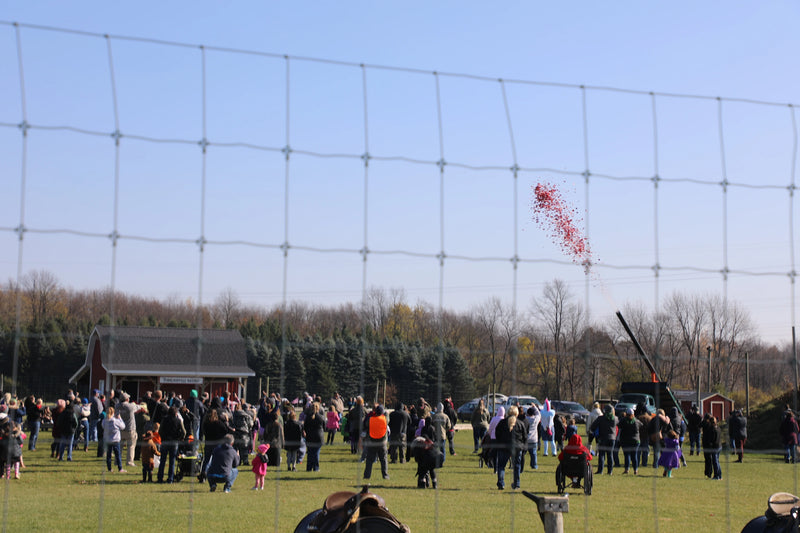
[(409, 350)]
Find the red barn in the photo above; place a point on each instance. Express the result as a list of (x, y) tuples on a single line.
[(138, 359)]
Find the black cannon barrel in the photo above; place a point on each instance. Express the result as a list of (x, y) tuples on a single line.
[(638, 347)]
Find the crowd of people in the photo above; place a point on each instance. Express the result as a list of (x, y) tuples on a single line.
[(211, 437), (645, 439)]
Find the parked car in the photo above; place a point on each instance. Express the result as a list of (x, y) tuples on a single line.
[(464, 412), (570, 410), (631, 400), (524, 402)]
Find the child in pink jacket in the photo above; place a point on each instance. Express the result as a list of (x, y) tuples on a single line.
[(260, 466)]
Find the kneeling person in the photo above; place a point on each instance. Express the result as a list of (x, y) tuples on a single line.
[(222, 465)]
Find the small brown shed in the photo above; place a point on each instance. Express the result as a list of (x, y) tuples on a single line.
[(710, 402)]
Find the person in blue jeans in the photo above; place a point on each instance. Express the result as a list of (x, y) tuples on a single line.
[(112, 431), (712, 445), (172, 434), (222, 467), (606, 427), (533, 435), (511, 438), (33, 410), (67, 424)]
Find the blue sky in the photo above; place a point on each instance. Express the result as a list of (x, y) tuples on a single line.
[(737, 50)]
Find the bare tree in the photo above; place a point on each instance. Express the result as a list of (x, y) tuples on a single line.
[(43, 293), (226, 307), (552, 310), (689, 316), (730, 332), (497, 337)]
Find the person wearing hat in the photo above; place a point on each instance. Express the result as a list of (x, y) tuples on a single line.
[(82, 411), (376, 441), (149, 451), (198, 409), (260, 462)]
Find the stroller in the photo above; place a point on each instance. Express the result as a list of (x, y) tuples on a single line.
[(575, 468), (188, 466)]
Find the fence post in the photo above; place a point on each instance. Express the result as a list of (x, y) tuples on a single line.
[(551, 509)]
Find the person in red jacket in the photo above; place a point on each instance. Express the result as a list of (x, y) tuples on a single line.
[(575, 447)]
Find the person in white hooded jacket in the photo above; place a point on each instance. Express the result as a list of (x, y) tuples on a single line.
[(548, 428)]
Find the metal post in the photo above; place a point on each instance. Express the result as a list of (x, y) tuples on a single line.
[(794, 355), (699, 405), (747, 381), (708, 348)]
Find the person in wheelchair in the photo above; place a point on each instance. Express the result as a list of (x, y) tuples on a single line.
[(574, 465)]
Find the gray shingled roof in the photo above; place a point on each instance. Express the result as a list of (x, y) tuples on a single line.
[(176, 351), (687, 395)]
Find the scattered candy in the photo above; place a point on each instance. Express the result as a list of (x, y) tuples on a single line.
[(553, 214)]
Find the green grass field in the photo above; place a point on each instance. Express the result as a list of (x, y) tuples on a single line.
[(54, 496)]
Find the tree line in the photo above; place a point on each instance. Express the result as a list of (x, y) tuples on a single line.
[(409, 350)]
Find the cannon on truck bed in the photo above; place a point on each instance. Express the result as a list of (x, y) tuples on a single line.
[(662, 395)]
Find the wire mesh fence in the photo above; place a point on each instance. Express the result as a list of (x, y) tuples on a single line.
[(176, 170)]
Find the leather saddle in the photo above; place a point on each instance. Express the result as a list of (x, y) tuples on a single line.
[(343, 510), (782, 515)]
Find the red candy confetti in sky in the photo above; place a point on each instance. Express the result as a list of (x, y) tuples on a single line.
[(554, 215)]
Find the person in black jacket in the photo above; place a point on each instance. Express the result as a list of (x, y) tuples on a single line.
[(67, 423), (737, 430), (712, 444), (693, 426), (510, 439), (450, 411), (214, 430), (606, 428), (355, 419), (314, 433), (292, 435), (399, 420), (34, 413), (629, 437), (172, 433)]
